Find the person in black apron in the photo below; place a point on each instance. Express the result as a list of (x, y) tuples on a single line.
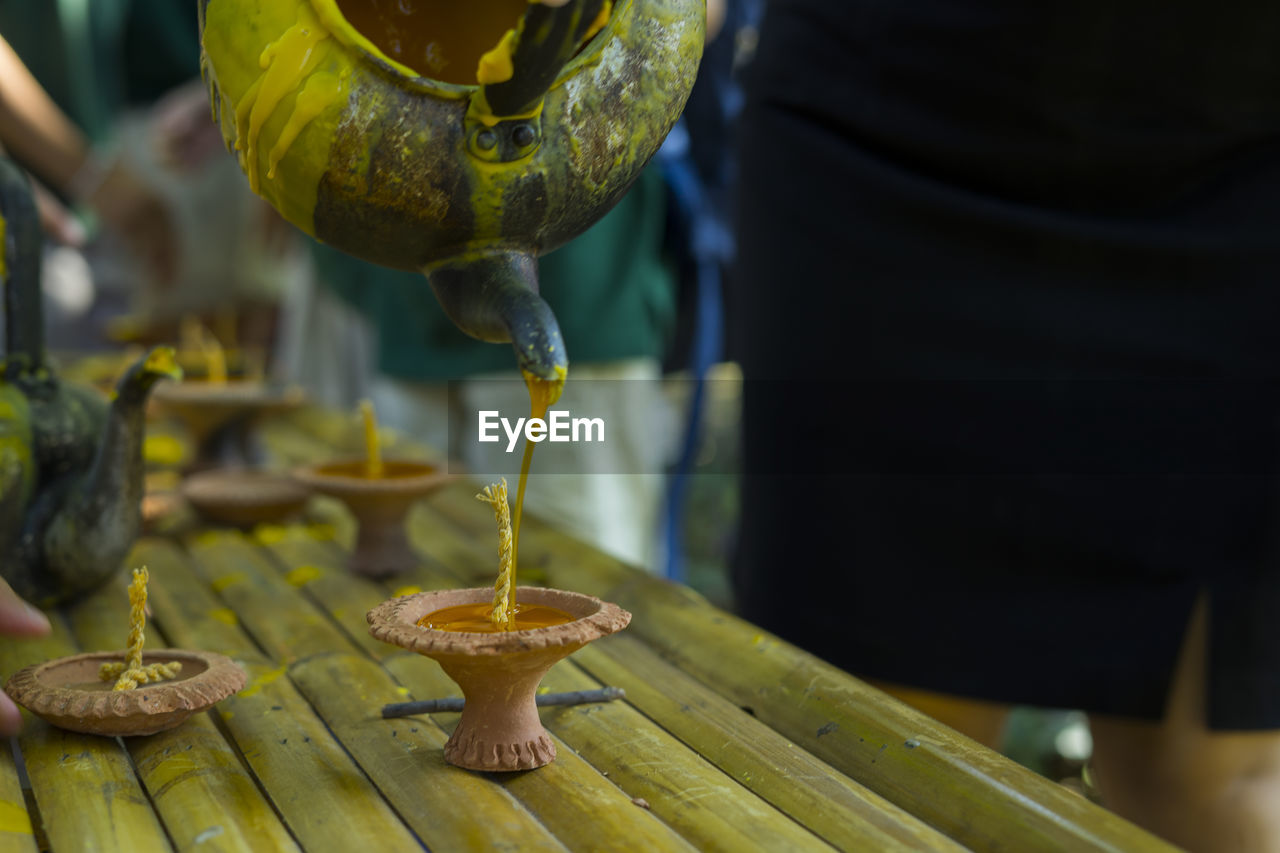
[(1007, 291)]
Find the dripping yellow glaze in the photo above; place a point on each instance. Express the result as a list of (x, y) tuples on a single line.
[(496, 65), (284, 62), (475, 618), (321, 90), (601, 19)]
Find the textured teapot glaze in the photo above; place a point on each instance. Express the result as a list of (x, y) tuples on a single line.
[(70, 463), (467, 183)]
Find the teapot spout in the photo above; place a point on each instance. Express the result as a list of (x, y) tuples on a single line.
[(494, 297)]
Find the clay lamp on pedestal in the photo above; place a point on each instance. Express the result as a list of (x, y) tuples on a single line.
[(211, 407), (498, 670), (379, 493), (137, 694)]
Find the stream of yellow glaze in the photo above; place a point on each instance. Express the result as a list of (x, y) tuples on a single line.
[(542, 393)]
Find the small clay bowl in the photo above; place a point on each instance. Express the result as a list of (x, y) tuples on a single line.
[(243, 498), (67, 692)]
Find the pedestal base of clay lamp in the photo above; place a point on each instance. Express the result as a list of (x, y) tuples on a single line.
[(68, 693), (379, 506), (498, 672)]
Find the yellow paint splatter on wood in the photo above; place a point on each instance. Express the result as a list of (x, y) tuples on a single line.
[(255, 686), (14, 818), (303, 575), (225, 615), (270, 534), (219, 584)]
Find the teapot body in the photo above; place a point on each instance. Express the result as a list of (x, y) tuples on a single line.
[(403, 170)]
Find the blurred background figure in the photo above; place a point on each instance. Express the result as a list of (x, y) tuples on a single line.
[(1009, 280), (154, 220)]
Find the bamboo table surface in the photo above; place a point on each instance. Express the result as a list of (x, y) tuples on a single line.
[(728, 738)]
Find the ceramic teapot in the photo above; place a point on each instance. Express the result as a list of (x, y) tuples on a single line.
[(460, 138), (71, 469)]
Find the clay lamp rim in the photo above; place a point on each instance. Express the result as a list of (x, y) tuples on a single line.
[(395, 621), (146, 709), (320, 478)]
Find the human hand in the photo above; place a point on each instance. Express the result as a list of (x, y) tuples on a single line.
[(57, 223), (17, 619)]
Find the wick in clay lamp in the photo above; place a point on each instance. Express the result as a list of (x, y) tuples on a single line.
[(497, 651), (209, 407), (379, 493), (126, 693)]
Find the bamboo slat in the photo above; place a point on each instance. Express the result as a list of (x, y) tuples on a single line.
[(195, 779), (405, 759), (323, 797), (829, 803), (244, 576), (17, 832), (315, 568), (85, 787), (703, 804), (972, 794)]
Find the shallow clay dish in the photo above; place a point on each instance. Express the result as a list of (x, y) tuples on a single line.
[(67, 692), (498, 672), (243, 498)]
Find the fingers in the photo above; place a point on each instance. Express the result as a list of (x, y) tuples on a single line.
[(10, 718), (55, 220), (17, 618)]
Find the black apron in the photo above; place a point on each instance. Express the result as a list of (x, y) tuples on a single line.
[(1008, 303)]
